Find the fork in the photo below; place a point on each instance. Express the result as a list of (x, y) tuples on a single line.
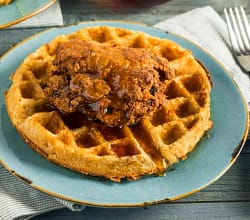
[(239, 32)]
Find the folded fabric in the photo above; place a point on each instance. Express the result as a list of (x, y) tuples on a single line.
[(19, 201), (51, 16)]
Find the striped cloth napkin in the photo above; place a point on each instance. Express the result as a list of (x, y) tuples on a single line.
[(19, 201)]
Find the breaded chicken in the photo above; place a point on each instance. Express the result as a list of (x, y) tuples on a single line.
[(114, 85)]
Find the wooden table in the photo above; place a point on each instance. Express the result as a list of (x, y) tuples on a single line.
[(228, 197)]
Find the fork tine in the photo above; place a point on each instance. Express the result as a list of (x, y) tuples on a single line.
[(232, 36), (236, 30), (240, 50), (245, 21), (242, 28)]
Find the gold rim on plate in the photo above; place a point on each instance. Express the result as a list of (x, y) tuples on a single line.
[(47, 5)]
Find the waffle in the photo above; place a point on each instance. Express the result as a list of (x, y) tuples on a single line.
[(5, 2), (91, 148)]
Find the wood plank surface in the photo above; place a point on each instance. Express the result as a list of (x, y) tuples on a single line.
[(191, 211), (76, 10)]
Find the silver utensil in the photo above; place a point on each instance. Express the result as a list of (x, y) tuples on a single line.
[(239, 32)]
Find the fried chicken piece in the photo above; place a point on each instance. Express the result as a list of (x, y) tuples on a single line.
[(115, 85)]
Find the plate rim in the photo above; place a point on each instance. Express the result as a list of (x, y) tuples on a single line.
[(237, 149), (31, 14)]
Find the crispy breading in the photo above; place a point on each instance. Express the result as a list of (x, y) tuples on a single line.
[(117, 85)]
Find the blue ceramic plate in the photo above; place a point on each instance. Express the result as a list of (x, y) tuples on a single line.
[(211, 158), (20, 10)]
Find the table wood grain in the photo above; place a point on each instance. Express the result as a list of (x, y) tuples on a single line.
[(226, 198)]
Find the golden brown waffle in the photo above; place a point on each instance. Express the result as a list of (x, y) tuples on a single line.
[(5, 2), (95, 149)]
